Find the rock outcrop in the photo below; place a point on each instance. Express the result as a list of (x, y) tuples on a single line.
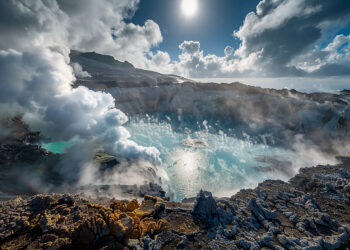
[(312, 211)]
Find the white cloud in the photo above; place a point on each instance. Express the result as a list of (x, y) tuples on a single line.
[(104, 30), (193, 63), (160, 62), (160, 58), (133, 42), (190, 47), (285, 29), (85, 25), (273, 37), (278, 39), (337, 52)]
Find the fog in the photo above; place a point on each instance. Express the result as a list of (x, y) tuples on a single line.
[(302, 84)]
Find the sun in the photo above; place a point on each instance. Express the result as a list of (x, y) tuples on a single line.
[(189, 7)]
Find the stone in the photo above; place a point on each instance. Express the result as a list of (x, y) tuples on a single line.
[(205, 209), (275, 215), (258, 208)]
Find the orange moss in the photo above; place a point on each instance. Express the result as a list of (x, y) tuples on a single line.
[(124, 220), (97, 206), (124, 206), (132, 205), (150, 226)]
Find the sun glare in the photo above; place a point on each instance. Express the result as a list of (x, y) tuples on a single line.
[(189, 7)]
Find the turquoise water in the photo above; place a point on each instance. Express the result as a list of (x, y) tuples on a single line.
[(196, 157), (59, 147), (196, 160)]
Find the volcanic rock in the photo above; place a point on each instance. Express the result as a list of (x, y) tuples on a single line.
[(309, 212)]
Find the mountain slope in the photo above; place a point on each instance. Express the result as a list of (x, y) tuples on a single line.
[(106, 72)]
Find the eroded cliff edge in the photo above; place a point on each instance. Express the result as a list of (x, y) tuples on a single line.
[(311, 211)]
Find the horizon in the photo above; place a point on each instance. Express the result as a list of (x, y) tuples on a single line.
[(302, 84), (302, 43)]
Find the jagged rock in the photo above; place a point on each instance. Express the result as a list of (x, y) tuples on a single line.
[(183, 243), (106, 161), (40, 203), (164, 238), (283, 196), (246, 244), (22, 153), (335, 242), (326, 221), (347, 188), (210, 212), (231, 232), (276, 215), (205, 209), (152, 190), (258, 208), (225, 211)]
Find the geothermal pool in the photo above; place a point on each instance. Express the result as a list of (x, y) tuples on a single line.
[(197, 154), (59, 147), (200, 156)]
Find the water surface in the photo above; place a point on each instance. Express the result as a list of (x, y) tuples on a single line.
[(196, 158)]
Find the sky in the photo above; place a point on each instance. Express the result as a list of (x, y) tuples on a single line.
[(212, 25), (217, 39)]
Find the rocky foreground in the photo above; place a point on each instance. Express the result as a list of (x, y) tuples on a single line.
[(312, 211)]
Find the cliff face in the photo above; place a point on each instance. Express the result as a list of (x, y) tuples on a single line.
[(312, 211), (105, 71), (323, 119)]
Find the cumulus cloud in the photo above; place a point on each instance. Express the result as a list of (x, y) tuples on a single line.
[(282, 30), (193, 63), (190, 47), (334, 59), (159, 61), (281, 38), (104, 28), (106, 31)]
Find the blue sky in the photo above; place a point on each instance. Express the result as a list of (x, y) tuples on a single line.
[(286, 38), (225, 39), (213, 26)]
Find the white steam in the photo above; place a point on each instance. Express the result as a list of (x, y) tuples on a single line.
[(36, 83), (79, 72)]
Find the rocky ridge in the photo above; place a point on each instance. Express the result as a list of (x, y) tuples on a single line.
[(311, 211), (323, 119)]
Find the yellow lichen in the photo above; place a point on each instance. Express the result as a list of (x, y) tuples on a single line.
[(132, 205), (124, 220)]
